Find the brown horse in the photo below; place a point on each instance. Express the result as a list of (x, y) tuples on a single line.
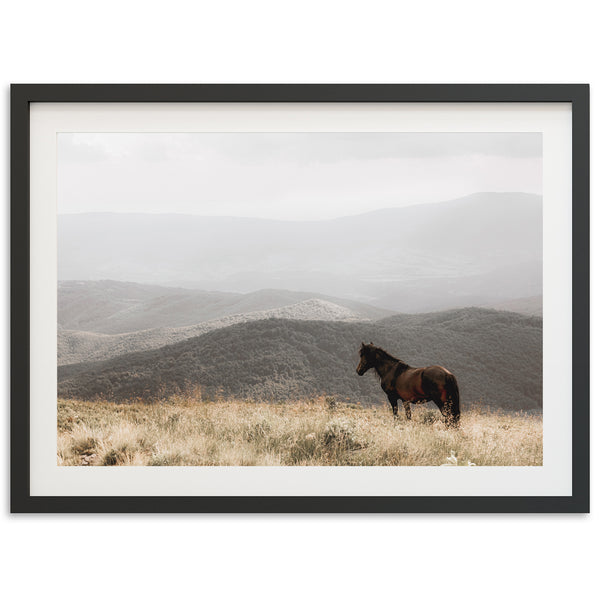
[(402, 382)]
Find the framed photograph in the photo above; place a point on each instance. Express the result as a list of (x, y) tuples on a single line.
[(300, 298)]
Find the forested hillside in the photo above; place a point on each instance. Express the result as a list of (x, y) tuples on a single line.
[(497, 357)]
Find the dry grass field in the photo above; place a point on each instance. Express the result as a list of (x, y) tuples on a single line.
[(315, 432)]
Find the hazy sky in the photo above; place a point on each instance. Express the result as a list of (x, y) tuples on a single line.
[(288, 175)]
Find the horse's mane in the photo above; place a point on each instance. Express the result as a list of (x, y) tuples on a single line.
[(384, 354)]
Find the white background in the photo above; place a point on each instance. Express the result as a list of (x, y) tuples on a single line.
[(408, 556)]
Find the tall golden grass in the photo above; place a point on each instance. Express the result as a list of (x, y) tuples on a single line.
[(189, 431)]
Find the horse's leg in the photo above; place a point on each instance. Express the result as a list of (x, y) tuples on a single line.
[(393, 398), (452, 400), (443, 408), (447, 414), (407, 410)]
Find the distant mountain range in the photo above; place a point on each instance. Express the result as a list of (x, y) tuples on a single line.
[(497, 357), (481, 249)]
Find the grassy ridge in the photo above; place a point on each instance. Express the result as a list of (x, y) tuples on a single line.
[(188, 431)]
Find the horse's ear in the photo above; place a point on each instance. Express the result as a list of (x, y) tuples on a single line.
[(362, 344)]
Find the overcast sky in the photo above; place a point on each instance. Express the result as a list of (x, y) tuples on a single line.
[(288, 175)]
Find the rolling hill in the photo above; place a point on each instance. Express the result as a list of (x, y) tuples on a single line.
[(84, 346), (532, 305), (114, 307), (497, 357)]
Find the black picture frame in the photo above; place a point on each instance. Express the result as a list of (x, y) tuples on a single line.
[(22, 95)]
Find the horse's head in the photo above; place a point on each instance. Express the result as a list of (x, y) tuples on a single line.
[(367, 358)]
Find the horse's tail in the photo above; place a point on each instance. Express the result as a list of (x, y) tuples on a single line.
[(453, 399)]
